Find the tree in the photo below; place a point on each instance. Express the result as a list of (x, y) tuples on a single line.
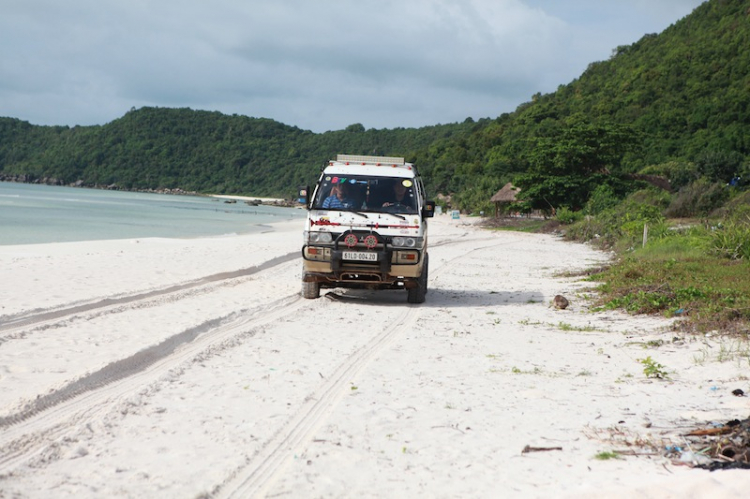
[(356, 128), (567, 166), (719, 166)]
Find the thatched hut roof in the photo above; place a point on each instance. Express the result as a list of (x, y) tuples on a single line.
[(506, 195)]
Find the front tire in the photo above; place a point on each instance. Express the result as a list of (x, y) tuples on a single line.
[(417, 294), (310, 290)]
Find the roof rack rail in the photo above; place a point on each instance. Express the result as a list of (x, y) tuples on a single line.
[(374, 160)]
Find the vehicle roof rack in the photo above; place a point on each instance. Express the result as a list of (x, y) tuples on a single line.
[(370, 160)]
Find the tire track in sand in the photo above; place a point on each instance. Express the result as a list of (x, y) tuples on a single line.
[(49, 418), (253, 479), (19, 321), (259, 475)]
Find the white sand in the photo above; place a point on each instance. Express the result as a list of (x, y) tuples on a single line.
[(127, 370)]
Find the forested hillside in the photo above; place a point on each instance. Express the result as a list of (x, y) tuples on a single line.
[(194, 150), (683, 96), (675, 104)]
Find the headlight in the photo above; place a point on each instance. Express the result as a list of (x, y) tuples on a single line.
[(319, 237), (407, 242)]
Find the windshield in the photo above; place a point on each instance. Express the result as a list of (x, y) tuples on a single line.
[(374, 194)]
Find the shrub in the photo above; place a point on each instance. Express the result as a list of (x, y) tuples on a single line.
[(732, 238), (738, 204), (603, 198), (679, 174), (651, 196), (719, 166), (566, 216), (591, 229), (682, 174), (697, 199), (634, 230)]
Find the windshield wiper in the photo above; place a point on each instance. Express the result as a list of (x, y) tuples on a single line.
[(393, 215), (346, 210)]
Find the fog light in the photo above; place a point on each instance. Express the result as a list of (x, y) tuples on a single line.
[(318, 254), (406, 257)]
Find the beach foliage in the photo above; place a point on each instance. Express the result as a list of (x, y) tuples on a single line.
[(653, 369), (607, 455), (695, 270)]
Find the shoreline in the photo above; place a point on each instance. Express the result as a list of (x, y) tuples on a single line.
[(39, 214), (255, 199), (166, 191)]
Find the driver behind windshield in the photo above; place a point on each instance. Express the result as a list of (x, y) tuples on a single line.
[(401, 196)]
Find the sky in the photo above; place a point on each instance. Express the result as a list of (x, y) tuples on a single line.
[(316, 64)]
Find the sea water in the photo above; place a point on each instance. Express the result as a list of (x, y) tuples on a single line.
[(31, 214)]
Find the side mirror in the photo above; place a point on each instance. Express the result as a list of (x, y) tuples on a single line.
[(302, 195), (428, 210)]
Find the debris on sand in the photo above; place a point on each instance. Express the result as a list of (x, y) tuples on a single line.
[(718, 446), (529, 448)]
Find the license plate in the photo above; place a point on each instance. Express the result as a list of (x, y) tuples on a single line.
[(360, 256)]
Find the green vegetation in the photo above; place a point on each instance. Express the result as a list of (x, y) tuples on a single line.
[(207, 152), (693, 269), (518, 225), (607, 455), (516, 370), (564, 326), (653, 369), (567, 165)]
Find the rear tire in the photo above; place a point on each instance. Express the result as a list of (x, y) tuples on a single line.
[(417, 294), (310, 290)]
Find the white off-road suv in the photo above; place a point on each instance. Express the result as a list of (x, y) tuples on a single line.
[(367, 228)]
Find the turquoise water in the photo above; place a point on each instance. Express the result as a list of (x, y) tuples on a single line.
[(31, 214)]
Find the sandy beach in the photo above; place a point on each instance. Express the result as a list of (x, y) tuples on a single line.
[(194, 368)]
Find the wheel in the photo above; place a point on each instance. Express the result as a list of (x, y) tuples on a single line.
[(426, 272), (417, 294), (310, 290)]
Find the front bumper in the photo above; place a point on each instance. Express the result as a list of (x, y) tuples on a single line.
[(323, 271), (383, 264)]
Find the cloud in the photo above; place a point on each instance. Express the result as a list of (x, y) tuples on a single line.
[(318, 65)]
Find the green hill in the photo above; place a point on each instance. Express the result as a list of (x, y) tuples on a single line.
[(201, 151), (687, 89), (684, 92)]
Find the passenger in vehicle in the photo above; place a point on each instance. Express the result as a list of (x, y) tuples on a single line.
[(339, 197)]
